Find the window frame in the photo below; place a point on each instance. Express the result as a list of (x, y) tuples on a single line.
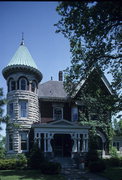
[(20, 109), (20, 84), (23, 141), (54, 116), (11, 112), (10, 143), (72, 113)]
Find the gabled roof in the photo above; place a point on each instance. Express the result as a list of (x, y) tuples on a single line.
[(52, 89), (82, 82)]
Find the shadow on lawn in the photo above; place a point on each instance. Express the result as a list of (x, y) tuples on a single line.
[(29, 174)]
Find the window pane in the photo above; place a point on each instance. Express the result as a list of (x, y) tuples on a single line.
[(23, 108), (12, 85), (23, 84), (33, 87), (11, 110), (10, 142), (58, 113), (23, 141)]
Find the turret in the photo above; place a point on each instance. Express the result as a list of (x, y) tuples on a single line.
[(22, 76)]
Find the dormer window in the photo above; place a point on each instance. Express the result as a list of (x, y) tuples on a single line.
[(58, 113)]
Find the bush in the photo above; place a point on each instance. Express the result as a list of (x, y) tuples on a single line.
[(6, 164), (113, 152), (51, 168), (36, 158), (18, 162), (97, 166), (114, 162), (91, 156)]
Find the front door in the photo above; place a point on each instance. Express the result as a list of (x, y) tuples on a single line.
[(62, 145)]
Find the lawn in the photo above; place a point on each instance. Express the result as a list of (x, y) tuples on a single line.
[(27, 175), (113, 173)]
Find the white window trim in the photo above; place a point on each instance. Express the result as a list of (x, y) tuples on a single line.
[(20, 150), (26, 108)]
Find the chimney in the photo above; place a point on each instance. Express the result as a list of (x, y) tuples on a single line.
[(60, 76)]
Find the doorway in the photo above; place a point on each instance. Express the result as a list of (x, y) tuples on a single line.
[(62, 145)]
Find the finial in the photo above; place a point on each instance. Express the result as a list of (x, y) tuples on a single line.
[(51, 78), (22, 42)]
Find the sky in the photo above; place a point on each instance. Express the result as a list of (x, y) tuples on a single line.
[(49, 50)]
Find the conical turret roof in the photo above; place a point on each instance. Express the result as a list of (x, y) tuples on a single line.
[(22, 57), (22, 61)]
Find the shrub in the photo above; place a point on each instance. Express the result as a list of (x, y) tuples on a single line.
[(36, 158), (6, 164), (97, 166), (51, 168), (113, 152), (114, 162), (91, 156), (18, 162)]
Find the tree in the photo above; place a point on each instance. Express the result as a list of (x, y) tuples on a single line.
[(2, 103), (94, 31), (118, 127)]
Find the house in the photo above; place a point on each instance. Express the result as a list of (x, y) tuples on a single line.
[(45, 113)]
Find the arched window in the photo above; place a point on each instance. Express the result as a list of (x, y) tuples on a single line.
[(33, 86), (11, 85), (23, 84)]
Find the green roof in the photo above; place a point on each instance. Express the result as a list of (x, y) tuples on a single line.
[(22, 57)]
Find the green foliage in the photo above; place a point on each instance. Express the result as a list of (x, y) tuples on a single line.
[(2, 148), (91, 156), (17, 162), (36, 158), (2, 103), (118, 127), (113, 152), (97, 166), (50, 168), (114, 162)]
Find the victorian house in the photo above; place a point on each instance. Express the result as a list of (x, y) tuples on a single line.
[(44, 113)]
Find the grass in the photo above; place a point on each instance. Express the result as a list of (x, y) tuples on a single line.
[(27, 175), (113, 173)]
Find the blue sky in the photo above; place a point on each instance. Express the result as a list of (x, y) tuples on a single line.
[(36, 19)]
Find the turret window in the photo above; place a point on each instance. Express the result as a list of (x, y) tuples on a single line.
[(11, 110), (12, 85), (23, 84), (33, 86), (23, 108), (10, 142)]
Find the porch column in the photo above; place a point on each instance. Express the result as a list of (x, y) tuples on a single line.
[(39, 140), (78, 139), (48, 142), (74, 149), (85, 143), (45, 150)]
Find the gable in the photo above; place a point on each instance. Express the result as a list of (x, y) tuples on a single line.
[(94, 78), (61, 122)]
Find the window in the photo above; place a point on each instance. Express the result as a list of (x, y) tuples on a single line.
[(24, 141), (12, 85), (10, 142), (11, 110), (74, 113), (116, 144), (23, 108), (94, 114), (58, 113), (23, 84), (33, 86)]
